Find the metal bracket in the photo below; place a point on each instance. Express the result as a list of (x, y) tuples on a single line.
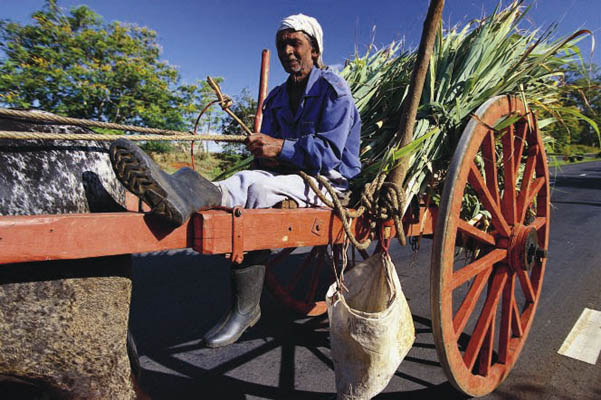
[(237, 235)]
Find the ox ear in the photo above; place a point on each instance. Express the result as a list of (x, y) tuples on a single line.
[(99, 199)]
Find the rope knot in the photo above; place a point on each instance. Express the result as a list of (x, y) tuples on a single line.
[(226, 102)]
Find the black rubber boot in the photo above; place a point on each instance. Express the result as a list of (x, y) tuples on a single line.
[(171, 197), (245, 311)]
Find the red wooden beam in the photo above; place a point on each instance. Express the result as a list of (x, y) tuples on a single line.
[(72, 236), (270, 229), (69, 236)]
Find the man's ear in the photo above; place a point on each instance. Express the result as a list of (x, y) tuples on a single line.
[(314, 56)]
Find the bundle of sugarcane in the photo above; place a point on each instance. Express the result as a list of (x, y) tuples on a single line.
[(469, 65)]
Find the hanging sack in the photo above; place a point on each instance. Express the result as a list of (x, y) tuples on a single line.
[(371, 328)]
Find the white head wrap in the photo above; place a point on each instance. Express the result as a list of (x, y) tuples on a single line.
[(309, 25)]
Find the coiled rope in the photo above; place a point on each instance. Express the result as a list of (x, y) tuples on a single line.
[(380, 201)]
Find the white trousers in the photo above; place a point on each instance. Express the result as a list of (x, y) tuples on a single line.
[(264, 189)]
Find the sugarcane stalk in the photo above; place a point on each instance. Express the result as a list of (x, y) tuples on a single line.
[(416, 86)]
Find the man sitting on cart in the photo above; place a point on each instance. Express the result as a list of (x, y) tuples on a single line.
[(310, 124)]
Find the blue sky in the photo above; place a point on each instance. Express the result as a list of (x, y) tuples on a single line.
[(225, 38)]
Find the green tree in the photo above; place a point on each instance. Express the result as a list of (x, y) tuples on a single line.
[(245, 107), (582, 94), (78, 66), (212, 115), (588, 100)]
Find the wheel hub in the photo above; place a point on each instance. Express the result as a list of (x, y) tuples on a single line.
[(524, 248)]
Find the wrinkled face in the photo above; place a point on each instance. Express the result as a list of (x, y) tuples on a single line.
[(296, 53)]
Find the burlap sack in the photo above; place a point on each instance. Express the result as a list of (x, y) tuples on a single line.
[(371, 328)]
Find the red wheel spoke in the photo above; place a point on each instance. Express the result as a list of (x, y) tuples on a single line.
[(526, 285), (315, 276), (516, 320), (520, 139), (490, 166), (526, 184), (508, 202), (538, 137), (475, 179), (475, 233), (469, 302), (536, 187), (469, 271), (485, 359), (526, 315), (279, 257), (538, 223), (507, 318), (486, 318), (299, 272)]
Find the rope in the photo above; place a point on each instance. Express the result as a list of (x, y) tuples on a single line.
[(380, 200), (101, 137), (343, 213), (394, 204), (383, 201), (226, 102), (378, 208), (36, 116)]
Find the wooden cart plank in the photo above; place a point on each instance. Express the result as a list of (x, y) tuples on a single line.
[(73, 236)]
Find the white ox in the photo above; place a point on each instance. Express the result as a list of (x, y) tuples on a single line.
[(63, 324)]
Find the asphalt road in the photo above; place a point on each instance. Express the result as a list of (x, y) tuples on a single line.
[(179, 295)]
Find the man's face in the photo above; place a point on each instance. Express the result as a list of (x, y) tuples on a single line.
[(296, 53)]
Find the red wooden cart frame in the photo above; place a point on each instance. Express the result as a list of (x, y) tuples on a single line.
[(75, 236), (502, 275), (505, 273)]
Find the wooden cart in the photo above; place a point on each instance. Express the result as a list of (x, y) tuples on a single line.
[(486, 274)]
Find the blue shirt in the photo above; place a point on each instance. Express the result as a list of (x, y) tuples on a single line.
[(324, 134)]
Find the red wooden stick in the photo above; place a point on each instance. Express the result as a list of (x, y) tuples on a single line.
[(262, 88)]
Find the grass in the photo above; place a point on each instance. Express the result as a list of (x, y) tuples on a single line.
[(207, 164), (580, 149), (557, 161)]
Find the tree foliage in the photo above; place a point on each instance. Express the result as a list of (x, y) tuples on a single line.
[(587, 100), (74, 64), (245, 107)]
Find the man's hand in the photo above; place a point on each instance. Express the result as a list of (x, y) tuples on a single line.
[(265, 146)]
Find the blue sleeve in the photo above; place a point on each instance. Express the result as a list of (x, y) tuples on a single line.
[(320, 148)]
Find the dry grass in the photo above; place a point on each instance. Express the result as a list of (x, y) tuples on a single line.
[(206, 164)]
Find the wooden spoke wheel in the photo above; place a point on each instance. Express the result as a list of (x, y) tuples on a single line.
[(489, 248), (300, 281)]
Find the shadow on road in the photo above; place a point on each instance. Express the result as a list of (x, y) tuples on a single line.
[(179, 295)]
